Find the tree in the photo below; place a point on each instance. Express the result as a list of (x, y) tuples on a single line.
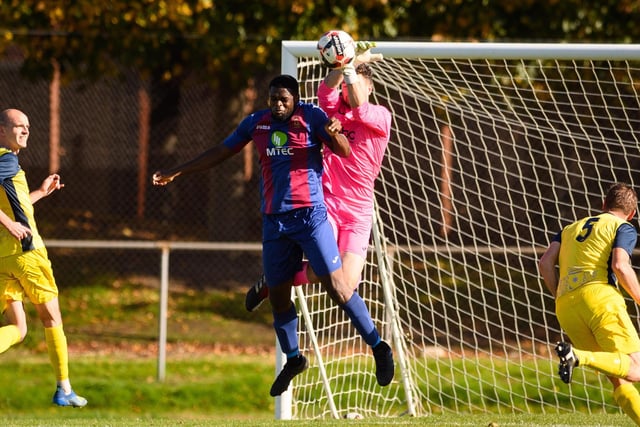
[(235, 40), (530, 20), (229, 43)]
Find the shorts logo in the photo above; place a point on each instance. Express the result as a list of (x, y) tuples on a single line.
[(279, 141), (335, 259)]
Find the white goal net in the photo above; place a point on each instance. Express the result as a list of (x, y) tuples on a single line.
[(494, 148)]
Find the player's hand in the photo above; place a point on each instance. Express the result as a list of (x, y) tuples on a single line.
[(333, 126), (160, 178), (363, 53), (18, 230), (364, 45), (51, 184)]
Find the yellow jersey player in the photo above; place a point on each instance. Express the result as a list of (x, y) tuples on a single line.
[(25, 269), (593, 256)]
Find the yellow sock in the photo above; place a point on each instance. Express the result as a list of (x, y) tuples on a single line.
[(628, 398), (613, 364), (9, 335), (58, 353)]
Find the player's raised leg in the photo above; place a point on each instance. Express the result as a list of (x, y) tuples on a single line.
[(256, 294), (16, 330)]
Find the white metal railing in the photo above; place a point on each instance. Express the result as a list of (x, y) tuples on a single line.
[(165, 248)]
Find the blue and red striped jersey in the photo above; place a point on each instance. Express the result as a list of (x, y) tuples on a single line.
[(290, 154)]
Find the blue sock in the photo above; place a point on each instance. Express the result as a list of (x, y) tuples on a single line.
[(358, 312), (286, 326)]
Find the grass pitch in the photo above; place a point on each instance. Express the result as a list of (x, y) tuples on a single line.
[(213, 377), (219, 390)]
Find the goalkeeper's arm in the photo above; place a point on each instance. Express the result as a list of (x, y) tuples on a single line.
[(359, 90), (363, 55), (356, 89)]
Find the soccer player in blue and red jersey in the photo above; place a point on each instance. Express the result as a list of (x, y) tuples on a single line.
[(593, 256), (25, 269), (348, 185), (289, 136)]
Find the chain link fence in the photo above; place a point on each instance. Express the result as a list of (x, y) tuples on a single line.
[(100, 167)]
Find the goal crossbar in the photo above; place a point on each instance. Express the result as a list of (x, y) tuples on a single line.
[(469, 50)]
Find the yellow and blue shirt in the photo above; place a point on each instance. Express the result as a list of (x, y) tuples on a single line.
[(585, 250), (16, 203)]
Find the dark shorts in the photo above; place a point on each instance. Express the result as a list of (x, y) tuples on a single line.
[(288, 237)]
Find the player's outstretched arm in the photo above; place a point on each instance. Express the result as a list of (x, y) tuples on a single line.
[(362, 54), (206, 160), (333, 79), (357, 92)]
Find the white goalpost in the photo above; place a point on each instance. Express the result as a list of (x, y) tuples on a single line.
[(495, 146)]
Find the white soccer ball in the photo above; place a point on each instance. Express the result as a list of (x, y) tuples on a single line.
[(336, 48)]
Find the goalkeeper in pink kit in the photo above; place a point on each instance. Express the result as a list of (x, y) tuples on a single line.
[(348, 182)]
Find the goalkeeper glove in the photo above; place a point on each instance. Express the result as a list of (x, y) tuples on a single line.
[(363, 53)]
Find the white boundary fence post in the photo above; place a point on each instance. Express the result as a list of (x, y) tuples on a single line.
[(162, 313), (284, 402)]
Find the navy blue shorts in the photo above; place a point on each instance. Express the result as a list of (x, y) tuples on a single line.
[(289, 236)]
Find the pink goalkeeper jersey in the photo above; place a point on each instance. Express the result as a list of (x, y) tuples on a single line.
[(348, 182)]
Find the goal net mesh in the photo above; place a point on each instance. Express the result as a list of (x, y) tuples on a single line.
[(488, 159)]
